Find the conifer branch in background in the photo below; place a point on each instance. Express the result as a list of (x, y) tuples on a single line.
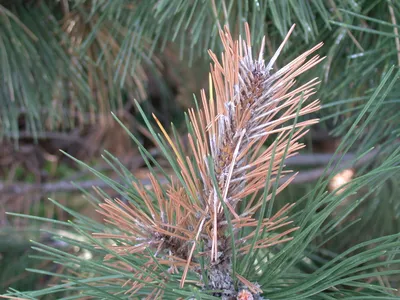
[(193, 224)]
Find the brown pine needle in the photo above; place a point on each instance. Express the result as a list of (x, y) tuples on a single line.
[(252, 287)]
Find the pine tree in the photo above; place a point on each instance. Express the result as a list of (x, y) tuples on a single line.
[(230, 222)]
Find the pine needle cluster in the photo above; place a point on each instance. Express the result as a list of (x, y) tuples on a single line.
[(197, 219)]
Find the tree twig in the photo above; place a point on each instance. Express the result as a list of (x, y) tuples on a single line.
[(74, 136), (54, 187), (299, 160), (346, 162)]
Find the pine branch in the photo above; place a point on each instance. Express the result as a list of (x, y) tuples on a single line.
[(251, 105), (298, 160), (18, 188)]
